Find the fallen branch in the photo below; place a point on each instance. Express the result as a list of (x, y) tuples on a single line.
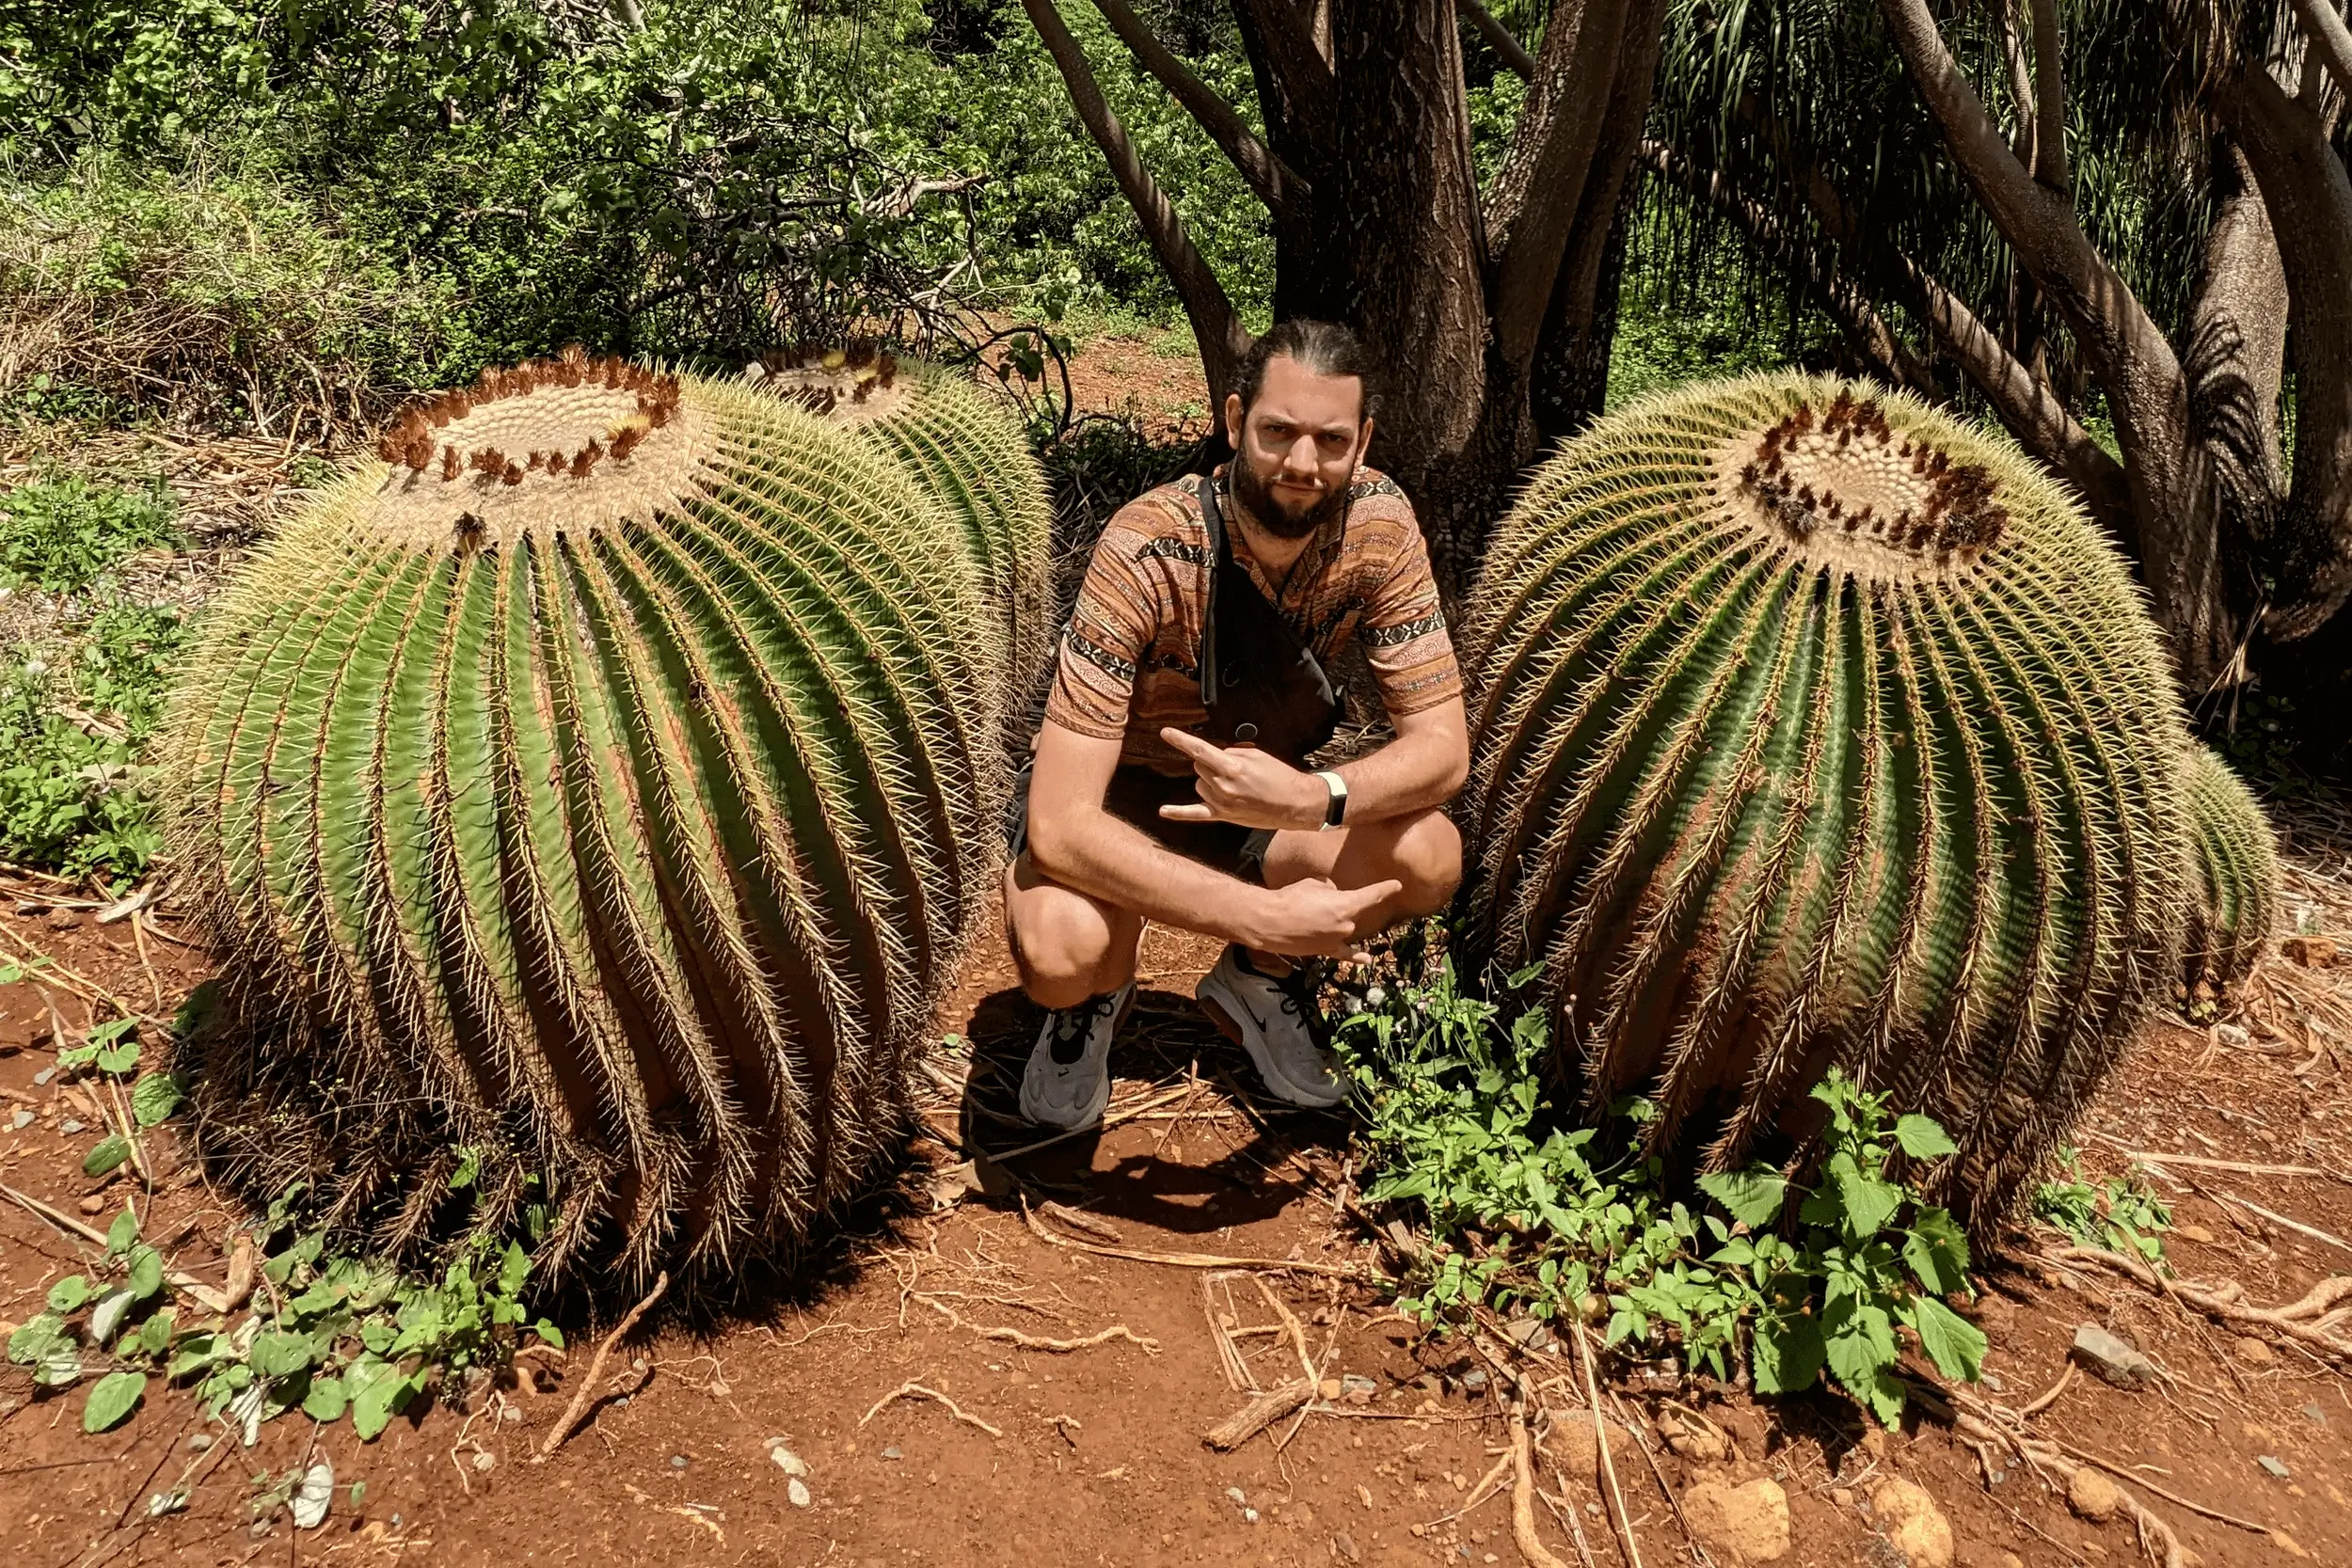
[(578, 1406), (917, 1391), (1208, 1261), (1259, 1414)]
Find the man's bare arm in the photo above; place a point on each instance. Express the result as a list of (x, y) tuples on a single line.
[(1425, 766), (1078, 843)]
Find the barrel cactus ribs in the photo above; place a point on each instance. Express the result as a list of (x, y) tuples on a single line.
[(1813, 727), (2235, 857), (593, 791), (962, 448)]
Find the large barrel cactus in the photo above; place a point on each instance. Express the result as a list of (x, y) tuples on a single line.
[(2236, 861), (962, 446), (588, 798), (1813, 727)]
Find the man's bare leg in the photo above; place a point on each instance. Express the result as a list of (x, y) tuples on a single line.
[(1067, 945), (1421, 849)]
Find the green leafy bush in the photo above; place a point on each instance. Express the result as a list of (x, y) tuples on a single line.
[(59, 533), (1524, 1214), (2122, 1215)]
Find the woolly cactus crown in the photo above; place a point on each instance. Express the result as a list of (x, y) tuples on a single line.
[(1815, 727), (603, 781)]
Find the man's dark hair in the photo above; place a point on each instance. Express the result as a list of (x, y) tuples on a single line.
[(1319, 348)]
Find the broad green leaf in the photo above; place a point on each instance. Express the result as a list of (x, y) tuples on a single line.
[(1786, 1353), (106, 1317), (1752, 1196), (1860, 1340), (36, 1338), (68, 1294), (147, 1273), (373, 1403), (155, 1333), (279, 1354), (1869, 1201), (118, 1058), (123, 1233), (1952, 1342), (325, 1400), (112, 1399), (1923, 1138), (155, 1097), (1937, 1252), (108, 1152)]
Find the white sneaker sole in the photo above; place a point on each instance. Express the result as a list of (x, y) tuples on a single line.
[(1248, 1036)]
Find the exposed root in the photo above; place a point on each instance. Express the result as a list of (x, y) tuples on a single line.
[(1260, 1413), (917, 1391), (1206, 1259), (2314, 1321), (579, 1407), (1014, 1338), (1523, 1495)]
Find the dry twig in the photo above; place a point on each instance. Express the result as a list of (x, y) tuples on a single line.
[(917, 1391), (578, 1406), (1600, 1436), (1206, 1259), (1259, 1414)]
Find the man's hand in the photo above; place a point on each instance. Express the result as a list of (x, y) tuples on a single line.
[(1249, 787), (1317, 918)]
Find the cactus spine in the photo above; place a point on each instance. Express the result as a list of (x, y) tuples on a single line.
[(2236, 861), (603, 780), (1814, 727)]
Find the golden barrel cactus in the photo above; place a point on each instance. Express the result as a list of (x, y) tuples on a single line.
[(1814, 727), (589, 796), (2235, 857)]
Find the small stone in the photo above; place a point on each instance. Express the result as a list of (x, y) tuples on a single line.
[(512, 1415), (1696, 1442), (789, 1463), (1328, 1389), (1841, 1496), (485, 1461), (796, 1492), (893, 1452), (2112, 1361), (1994, 1382), (1474, 1381), (2092, 1494), (1344, 1547), (2254, 1352), (1356, 1388), (71, 1124), (1912, 1522), (2232, 1035), (1241, 1498), (43, 1077), (1749, 1522), (20, 1121), (2273, 1463), (1364, 1494), (92, 1205), (199, 1442), (2197, 1233), (678, 1462), (1250, 1516)]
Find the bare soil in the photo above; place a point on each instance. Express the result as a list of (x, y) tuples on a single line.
[(1098, 1453)]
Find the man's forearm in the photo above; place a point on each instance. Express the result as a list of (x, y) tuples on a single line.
[(1408, 774), (1118, 863)]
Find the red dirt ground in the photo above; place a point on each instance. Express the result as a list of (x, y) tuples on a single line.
[(1100, 1456)]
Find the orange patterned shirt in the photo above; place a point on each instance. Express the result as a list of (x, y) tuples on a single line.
[(1128, 657)]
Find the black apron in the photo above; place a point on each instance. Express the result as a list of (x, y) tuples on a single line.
[(1261, 683)]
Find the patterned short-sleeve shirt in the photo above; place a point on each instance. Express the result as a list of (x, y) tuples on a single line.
[(1128, 663)]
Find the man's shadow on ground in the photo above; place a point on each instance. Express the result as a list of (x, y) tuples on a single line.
[(1166, 1042)]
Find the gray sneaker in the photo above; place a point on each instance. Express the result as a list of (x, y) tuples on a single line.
[(1069, 1078), (1275, 1018)]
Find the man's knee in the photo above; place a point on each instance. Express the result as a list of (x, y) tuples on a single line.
[(1061, 943), (1427, 858)]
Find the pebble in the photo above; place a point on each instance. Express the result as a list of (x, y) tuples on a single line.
[(892, 1452), (2234, 1035), (44, 1075), (2197, 1233), (92, 1205), (2319, 1416), (2111, 1360), (2093, 1495), (2254, 1352), (678, 1462), (1750, 1522), (20, 1121), (796, 1492), (789, 1463), (1239, 1497), (485, 1461), (1474, 1381), (1250, 1516), (1344, 1547), (2273, 1463), (199, 1442), (70, 1125), (1912, 1522), (1356, 1388)]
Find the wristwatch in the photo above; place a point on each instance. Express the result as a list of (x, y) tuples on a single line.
[(1336, 813)]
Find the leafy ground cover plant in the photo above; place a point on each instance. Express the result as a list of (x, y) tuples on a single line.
[(1526, 1215), (2122, 1215)]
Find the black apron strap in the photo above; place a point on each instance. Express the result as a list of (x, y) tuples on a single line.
[(1259, 682)]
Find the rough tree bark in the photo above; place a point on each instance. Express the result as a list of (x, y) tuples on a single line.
[(1486, 304)]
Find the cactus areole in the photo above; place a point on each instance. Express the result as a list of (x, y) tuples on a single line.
[(592, 793), (1814, 727)]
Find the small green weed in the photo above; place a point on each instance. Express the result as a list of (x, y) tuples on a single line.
[(2125, 1215), (1520, 1217), (61, 531)]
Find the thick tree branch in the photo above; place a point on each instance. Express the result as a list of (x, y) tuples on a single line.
[(2049, 115), (2330, 40), (1271, 179), (1216, 327), (2021, 91), (1551, 153), (1507, 49), (1303, 73)]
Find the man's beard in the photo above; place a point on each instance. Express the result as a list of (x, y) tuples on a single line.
[(1273, 513)]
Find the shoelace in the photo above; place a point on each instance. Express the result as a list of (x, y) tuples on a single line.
[(1073, 1027), (1298, 990)]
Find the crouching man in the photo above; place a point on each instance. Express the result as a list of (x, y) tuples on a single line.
[(1168, 782)]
